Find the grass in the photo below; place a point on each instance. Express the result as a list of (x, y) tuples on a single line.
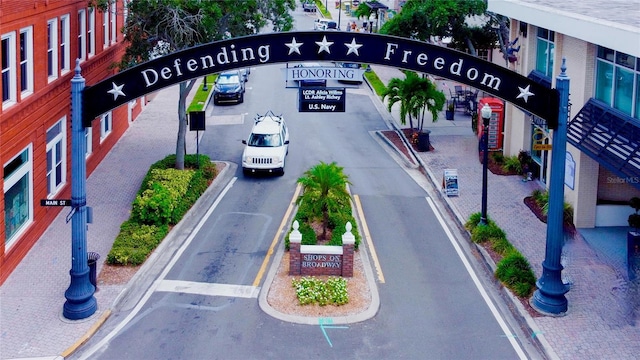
[(199, 101), (377, 84)]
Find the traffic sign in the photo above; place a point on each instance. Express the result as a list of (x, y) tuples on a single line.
[(55, 202)]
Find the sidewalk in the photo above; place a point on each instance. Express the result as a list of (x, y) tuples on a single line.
[(31, 299), (602, 318)]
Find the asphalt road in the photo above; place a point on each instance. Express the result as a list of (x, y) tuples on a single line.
[(201, 301)]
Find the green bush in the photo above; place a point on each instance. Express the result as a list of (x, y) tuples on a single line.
[(157, 206), (515, 273), (310, 290), (487, 232), (474, 220), (135, 242), (497, 157), (502, 246), (512, 164)]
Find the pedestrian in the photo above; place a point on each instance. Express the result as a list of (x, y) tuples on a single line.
[(353, 26), (349, 26)]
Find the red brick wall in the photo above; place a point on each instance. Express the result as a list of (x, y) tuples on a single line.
[(27, 121), (296, 258)]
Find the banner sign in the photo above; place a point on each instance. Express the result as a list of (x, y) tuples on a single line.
[(322, 99), (319, 73), (320, 46)]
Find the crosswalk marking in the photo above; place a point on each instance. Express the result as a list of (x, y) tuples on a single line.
[(200, 288)]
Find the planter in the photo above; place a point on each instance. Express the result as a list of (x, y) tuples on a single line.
[(423, 141), (449, 114)]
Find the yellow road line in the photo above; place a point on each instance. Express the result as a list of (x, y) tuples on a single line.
[(367, 236), (274, 242)]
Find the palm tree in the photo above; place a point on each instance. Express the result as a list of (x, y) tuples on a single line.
[(416, 96), (325, 189)]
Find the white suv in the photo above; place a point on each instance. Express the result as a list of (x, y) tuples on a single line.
[(267, 145)]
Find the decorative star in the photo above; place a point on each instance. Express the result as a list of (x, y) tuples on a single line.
[(353, 47), (294, 46), (324, 45), (116, 91), (525, 93)]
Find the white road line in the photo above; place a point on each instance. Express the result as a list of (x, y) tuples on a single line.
[(476, 281), (164, 273), (209, 289)]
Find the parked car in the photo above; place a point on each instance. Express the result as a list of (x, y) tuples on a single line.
[(229, 86), (309, 6), (350, 66), (325, 24), (311, 82), (245, 74), (267, 146)]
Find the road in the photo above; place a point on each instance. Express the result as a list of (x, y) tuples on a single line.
[(201, 303)]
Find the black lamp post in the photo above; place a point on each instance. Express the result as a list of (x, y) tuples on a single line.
[(205, 87), (486, 117)]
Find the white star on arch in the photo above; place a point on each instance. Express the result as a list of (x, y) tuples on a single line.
[(353, 47), (116, 91), (324, 45), (525, 93), (294, 46)]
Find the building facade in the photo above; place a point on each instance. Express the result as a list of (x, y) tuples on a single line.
[(41, 40), (601, 45)]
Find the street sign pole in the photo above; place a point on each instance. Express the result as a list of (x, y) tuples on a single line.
[(80, 302)]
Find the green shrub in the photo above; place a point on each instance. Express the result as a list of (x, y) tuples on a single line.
[(497, 157), (515, 273), (156, 204), (375, 82), (512, 164), (310, 290), (135, 242), (474, 220), (309, 236), (501, 245), (487, 232)]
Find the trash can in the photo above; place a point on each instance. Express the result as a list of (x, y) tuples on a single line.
[(92, 260)]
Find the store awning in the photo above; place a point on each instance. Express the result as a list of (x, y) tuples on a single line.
[(610, 137)]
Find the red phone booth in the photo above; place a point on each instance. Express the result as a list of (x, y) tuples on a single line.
[(496, 123)]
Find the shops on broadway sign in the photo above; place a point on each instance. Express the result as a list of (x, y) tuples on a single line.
[(286, 47)]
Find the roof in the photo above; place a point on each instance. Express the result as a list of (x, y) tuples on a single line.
[(374, 5), (267, 125), (614, 24)]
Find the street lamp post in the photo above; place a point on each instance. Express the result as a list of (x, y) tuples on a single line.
[(486, 117), (205, 87)]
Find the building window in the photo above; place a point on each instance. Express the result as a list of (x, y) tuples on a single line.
[(105, 125), (82, 30), (88, 141), (18, 208), (26, 61), (56, 157), (105, 29), (91, 32), (113, 23), (8, 48), (618, 80), (544, 51), (64, 44), (52, 49)]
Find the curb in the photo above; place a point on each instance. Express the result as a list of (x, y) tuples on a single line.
[(538, 338)]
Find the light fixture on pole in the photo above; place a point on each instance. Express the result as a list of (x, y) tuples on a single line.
[(486, 117)]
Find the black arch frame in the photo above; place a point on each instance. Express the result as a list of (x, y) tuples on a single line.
[(263, 49)]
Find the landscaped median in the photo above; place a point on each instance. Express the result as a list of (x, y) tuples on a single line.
[(165, 196)]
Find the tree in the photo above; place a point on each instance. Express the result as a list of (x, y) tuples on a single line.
[(325, 191), (423, 20), (416, 96), (159, 27)]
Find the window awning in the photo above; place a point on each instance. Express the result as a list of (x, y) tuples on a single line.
[(610, 137)]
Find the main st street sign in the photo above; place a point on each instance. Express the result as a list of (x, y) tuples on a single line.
[(317, 46)]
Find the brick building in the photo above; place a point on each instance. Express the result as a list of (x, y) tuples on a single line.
[(41, 40), (601, 44)]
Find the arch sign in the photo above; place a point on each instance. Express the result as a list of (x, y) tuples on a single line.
[(283, 47)]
